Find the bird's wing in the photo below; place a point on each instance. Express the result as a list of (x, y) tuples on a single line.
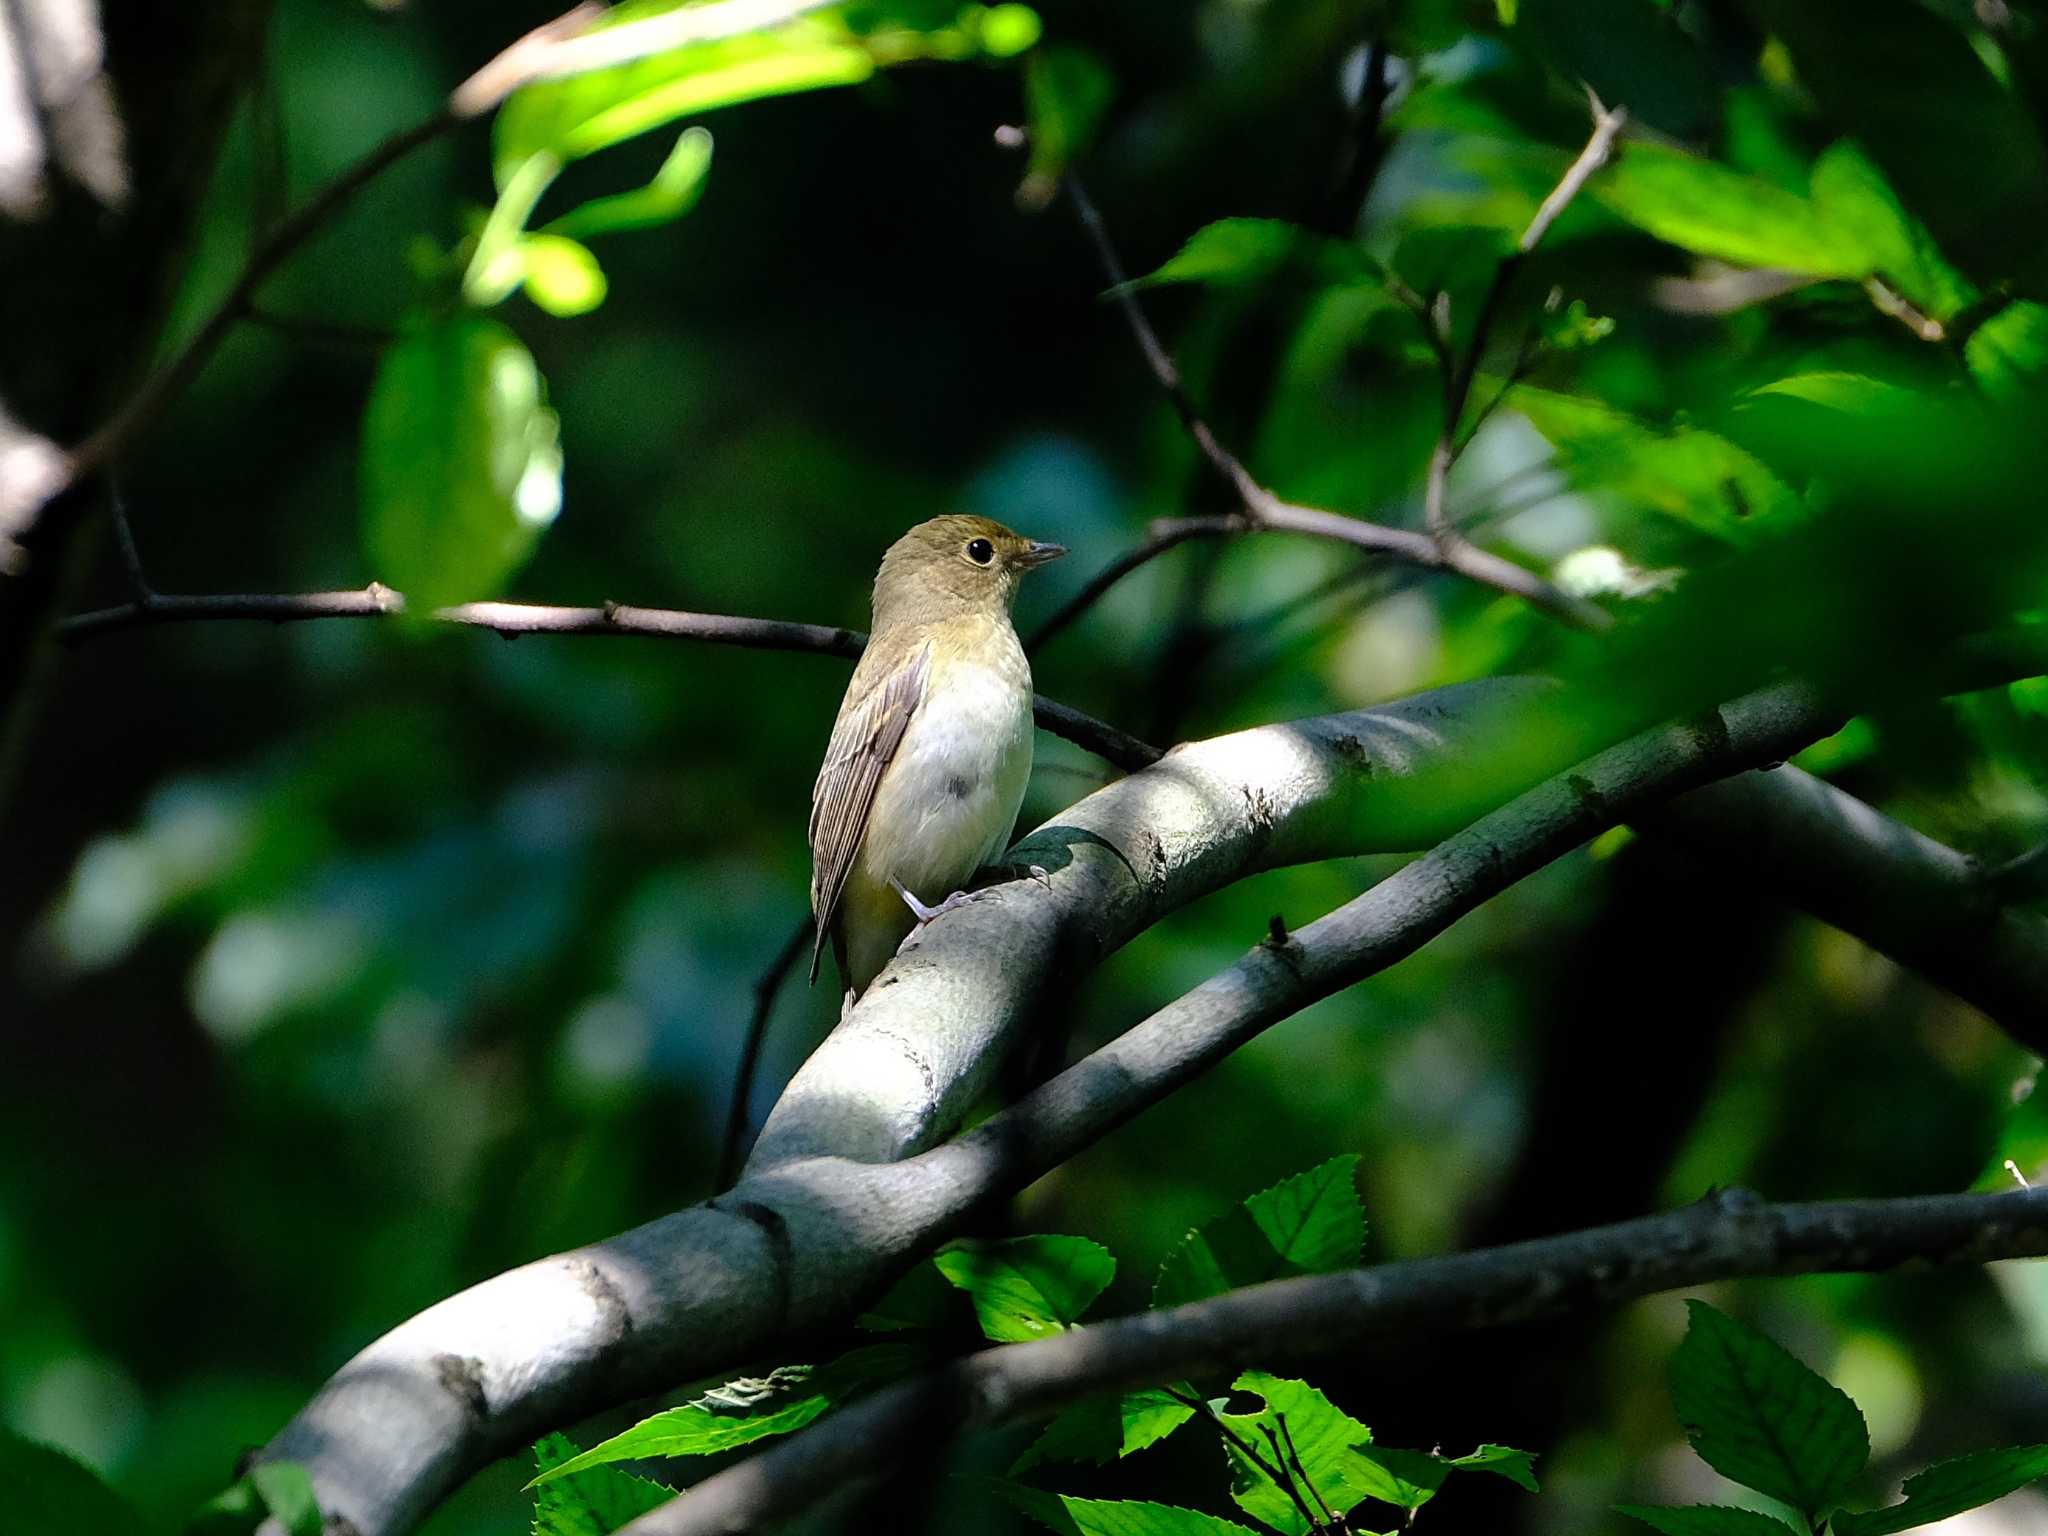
[(864, 739)]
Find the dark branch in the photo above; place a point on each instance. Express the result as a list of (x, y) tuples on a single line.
[(1729, 1236), (378, 601), (766, 987), (1263, 511)]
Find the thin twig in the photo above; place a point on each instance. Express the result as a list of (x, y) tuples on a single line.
[(1458, 379), (1285, 1482), (766, 986), (1364, 147), (2023, 878), (378, 601), (331, 332), (1270, 1470), (1163, 535), (124, 543), (1330, 1517), (1264, 512)]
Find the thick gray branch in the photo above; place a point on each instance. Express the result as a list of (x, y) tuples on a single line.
[(1923, 904), (1722, 1238), (797, 1244)]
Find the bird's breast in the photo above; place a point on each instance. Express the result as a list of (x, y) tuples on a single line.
[(951, 795)]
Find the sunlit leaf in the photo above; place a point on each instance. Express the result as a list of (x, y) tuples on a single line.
[(593, 1501), (1114, 1517), (1309, 1224), (2008, 353), (1705, 1520), (42, 1489), (1027, 1287), (1103, 1428), (1851, 193), (461, 467), (672, 193), (1760, 1417), (562, 276), (1311, 1430), (742, 1412), (1712, 211), (1410, 1479), (1950, 1487)]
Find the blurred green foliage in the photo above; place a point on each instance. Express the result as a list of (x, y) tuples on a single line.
[(349, 964)]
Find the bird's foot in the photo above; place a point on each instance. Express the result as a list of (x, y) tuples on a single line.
[(923, 913)]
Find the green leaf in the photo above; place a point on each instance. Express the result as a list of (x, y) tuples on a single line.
[(562, 276), (1231, 252), (1413, 1478), (1100, 1429), (1712, 211), (2008, 353), (1851, 193), (1950, 1487), (1629, 51), (591, 1502), (46, 1490), (1518, 1467), (1682, 472), (1328, 1442), (1066, 92), (1114, 1517), (1027, 1287), (742, 1412), (582, 114), (923, 1298), (1757, 1415), (672, 193), (461, 468), (1837, 390), (1309, 1224), (1705, 1520)]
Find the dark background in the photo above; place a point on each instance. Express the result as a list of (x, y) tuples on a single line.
[(345, 966)]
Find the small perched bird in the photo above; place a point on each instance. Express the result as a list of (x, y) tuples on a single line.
[(928, 760)]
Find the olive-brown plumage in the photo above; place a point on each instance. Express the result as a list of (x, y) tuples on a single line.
[(926, 768)]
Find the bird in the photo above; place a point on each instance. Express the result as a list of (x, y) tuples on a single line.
[(926, 767)]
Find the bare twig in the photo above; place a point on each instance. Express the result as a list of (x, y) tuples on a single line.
[(1163, 535), (766, 986), (1727, 1236), (378, 601), (1265, 512), (1459, 377), (1364, 147)]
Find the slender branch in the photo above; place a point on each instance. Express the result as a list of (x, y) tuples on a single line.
[(565, 46), (378, 601), (1165, 534), (2024, 878), (766, 986), (1728, 1236), (1285, 1482), (1263, 511), (1458, 379)]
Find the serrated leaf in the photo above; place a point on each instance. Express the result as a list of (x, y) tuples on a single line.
[(1309, 1224), (1518, 1467), (1101, 1429), (1413, 1478), (1704, 1520), (1114, 1517), (44, 1489), (1330, 1445), (561, 275), (1950, 1487), (741, 1413), (1233, 252), (1710, 210), (672, 193), (1027, 1287), (461, 467), (1757, 1415), (591, 1502)]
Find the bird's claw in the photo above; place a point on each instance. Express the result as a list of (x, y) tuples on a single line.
[(923, 913)]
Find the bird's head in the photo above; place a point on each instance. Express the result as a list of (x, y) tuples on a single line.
[(954, 565)]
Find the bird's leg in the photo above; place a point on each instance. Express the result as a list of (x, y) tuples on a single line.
[(919, 910)]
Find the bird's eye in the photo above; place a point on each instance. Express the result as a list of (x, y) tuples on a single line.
[(980, 551)]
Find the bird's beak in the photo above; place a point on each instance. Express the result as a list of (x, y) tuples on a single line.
[(1038, 553)]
